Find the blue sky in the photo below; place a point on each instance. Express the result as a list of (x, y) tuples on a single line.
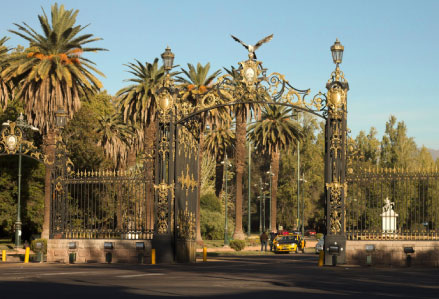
[(391, 47)]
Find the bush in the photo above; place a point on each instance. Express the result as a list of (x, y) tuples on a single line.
[(238, 245), (210, 202), (33, 245), (212, 225)]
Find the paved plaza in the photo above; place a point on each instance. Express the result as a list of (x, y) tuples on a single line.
[(289, 276)]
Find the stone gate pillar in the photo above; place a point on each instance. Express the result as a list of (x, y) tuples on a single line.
[(335, 166)]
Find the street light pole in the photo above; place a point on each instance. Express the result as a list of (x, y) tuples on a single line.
[(249, 187), (260, 206), (298, 181), (18, 222), (226, 164), (15, 140), (271, 174), (303, 204)]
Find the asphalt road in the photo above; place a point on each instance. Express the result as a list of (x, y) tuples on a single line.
[(280, 276)]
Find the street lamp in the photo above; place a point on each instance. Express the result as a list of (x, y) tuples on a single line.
[(271, 174), (168, 59), (337, 52), (15, 138), (61, 117), (303, 204), (226, 164)]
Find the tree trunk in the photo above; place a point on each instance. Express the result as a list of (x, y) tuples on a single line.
[(149, 141), (49, 150), (241, 132), (275, 157), (199, 239)]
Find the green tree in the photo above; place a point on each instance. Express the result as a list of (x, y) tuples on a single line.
[(138, 104), (52, 73), (276, 131), (397, 149)]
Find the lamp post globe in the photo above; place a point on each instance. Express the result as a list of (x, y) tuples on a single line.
[(337, 52), (61, 117), (168, 59)]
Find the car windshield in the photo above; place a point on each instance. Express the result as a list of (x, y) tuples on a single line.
[(286, 238)]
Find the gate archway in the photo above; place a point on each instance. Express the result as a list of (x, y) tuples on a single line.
[(179, 123)]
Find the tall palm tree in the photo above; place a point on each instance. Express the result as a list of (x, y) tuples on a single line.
[(275, 132), (4, 87), (240, 112), (52, 73), (197, 82), (137, 103)]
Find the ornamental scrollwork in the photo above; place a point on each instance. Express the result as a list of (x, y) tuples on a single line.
[(186, 224), (162, 205), (187, 181), (335, 222), (12, 142)]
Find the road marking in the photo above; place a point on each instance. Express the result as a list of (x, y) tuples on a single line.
[(138, 275), (63, 273)]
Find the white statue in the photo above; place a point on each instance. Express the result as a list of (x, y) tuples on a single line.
[(389, 217), (388, 205)]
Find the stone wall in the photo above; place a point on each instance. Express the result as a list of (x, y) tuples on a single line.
[(92, 251), (391, 253)]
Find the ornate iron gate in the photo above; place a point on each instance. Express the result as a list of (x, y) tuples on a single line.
[(176, 165)]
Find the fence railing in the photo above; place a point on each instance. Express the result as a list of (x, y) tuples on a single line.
[(102, 205), (392, 204)]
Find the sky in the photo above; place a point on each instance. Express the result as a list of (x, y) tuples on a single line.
[(390, 60)]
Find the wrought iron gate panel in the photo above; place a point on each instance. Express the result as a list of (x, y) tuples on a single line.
[(414, 196), (186, 185), (98, 204), (101, 205)]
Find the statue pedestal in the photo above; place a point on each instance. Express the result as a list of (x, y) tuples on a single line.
[(389, 222)]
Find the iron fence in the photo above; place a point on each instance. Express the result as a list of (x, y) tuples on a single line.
[(102, 205), (392, 204)]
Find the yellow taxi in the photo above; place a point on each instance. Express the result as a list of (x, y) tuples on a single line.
[(286, 243)]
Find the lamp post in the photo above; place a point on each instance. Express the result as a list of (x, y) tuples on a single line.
[(226, 164), (249, 186), (261, 190), (303, 205), (271, 174), (298, 180), (12, 141)]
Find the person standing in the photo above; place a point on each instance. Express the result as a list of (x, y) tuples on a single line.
[(263, 238)]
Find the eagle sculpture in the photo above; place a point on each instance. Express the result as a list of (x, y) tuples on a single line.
[(251, 49)]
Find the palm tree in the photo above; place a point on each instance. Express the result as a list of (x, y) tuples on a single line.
[(197, 82), (52, 73), (240, 112), (275, 132), (116, 137), (138, 105), (219, 140), (4, 87)]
